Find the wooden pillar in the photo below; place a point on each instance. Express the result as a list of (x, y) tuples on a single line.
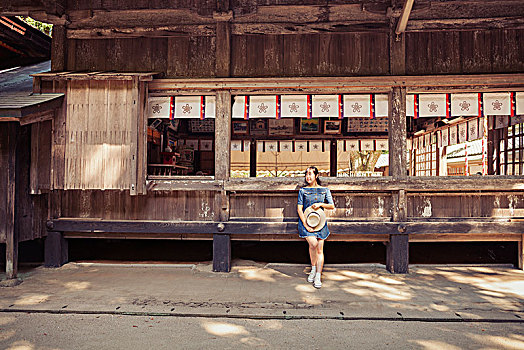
[(59, 49), (333, 158), (397, 50), (521, 252), (56, 250), (12, 225), (222, 243), (397, 252)]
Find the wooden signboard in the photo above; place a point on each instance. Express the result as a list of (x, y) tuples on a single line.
[(379, 124)]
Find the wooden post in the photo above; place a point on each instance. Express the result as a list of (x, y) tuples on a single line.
[(221, 253), (397, 51), (397, 252), (59, 49), (333, 158), (222, 243), (11, 266), (521, 252), (56, 250)]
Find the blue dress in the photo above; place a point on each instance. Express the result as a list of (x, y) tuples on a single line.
[(306, 197)]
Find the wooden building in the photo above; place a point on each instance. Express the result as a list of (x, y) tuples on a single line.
[(177, 120)]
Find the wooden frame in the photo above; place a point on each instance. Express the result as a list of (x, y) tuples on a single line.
[(240, 127), (310, 126), (285, 127), (332, 126)]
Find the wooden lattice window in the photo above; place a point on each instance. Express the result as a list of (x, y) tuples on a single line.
[(512, 150)]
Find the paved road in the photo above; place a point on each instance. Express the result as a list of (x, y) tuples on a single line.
[(30, 331), (23, 331)]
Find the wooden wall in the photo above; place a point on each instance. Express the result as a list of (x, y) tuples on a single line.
[(32, 210), (465, 52), (120, 205), (334, 54)]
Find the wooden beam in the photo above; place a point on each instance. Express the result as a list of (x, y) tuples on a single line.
[(449, 83), (142, 32), (462, 24), (55, 250), (470, 227), (404, 17)]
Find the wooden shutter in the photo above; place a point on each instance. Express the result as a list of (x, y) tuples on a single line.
[(101, 135)]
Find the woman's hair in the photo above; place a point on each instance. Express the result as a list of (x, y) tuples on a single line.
[(315, 171)]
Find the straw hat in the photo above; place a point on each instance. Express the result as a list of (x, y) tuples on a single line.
[(316, 219)]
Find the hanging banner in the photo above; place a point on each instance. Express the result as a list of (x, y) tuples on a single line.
[(445, 137), (382, 105), (325, 106), (497, 103), (357, 106), (462, 132), (315, 146), (293, 106), (433, 105), (189, 107), (271, 146), (159, 107), (427, 140), (263, 106), (464, 105), (192, 144), (415, 143), (519, 97), (352, 145), (367, 145), (410, 105), (241, 107), (453, 135), (439, 138), (473, 129), (300, 146), (260, 146), (210, 102), (236, 145), (246, 145), (341, 146), (501, 121), (382, 144), (286, 146)]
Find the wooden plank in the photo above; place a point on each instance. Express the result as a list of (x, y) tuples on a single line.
[(397, 52), (12, 223), (397, 254), (450, 237)]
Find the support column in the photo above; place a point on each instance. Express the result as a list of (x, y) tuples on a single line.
[(223, 43), (521, 253), (221, 242), (56, 250), (12, 225), (397, 252)]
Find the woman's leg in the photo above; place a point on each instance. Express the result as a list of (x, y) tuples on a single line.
[(320, 255), (313, 246)]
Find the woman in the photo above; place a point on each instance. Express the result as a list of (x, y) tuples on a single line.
[(318, 198)]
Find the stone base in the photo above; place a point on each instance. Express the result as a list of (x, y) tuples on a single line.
[(13, 282)]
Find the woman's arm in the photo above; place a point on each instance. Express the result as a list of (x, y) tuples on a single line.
[(328, 204)]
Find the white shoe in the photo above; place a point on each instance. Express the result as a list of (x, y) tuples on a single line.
[(317, 283), (311, 276)]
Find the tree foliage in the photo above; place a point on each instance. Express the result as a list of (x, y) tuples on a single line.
[(45, 28)]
